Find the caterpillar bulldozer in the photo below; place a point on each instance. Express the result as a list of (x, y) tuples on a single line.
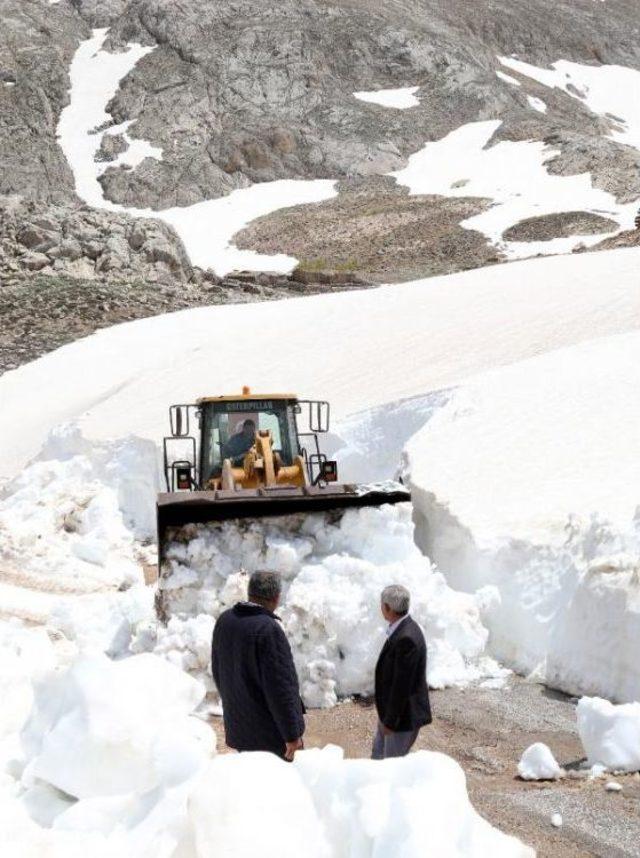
[(251, 456)]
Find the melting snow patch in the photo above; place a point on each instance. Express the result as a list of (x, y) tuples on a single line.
[(401, 99), (537, 104), (538, 764), (610, 734), (514, 175), (608, 90), (613, 786), (206, 228)]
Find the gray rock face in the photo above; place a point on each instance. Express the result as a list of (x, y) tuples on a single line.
[(37, 43), (245, 91)]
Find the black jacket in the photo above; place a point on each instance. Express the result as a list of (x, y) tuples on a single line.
[(253, 668), (402, 697)]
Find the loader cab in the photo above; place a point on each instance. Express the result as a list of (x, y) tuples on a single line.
[(229, 428), (214, 429)]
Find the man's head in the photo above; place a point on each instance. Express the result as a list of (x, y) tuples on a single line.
[(264, 589), (249, 428), (394, 602)]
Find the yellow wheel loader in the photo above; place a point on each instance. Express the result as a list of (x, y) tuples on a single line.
[(251, 456)]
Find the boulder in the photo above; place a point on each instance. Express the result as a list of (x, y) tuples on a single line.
[(34, 261)]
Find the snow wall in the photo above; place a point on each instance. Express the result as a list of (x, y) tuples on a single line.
[(528, 479)]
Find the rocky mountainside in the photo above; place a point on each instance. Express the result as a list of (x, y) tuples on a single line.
[(239, 92)]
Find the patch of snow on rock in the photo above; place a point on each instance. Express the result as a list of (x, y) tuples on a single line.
[(537, 104), (607, 90), (507, 78), (401, 99), (514, 175)]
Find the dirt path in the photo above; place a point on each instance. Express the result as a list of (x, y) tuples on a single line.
[(486, 732)]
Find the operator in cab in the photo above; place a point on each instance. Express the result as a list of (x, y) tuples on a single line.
[(240, 442)]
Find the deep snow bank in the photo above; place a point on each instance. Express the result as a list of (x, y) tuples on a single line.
[(334, 573), (386, 344), (111, 763), (527, 479)]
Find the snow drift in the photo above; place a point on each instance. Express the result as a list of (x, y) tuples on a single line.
[(527, 480)]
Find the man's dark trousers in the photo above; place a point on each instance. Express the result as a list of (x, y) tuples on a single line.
[(402, 696)]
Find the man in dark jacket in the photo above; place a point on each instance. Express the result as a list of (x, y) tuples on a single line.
[(402, 697), (253, 668)]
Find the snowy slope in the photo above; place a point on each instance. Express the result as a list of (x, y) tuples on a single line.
[(528, 479), (358, 349)]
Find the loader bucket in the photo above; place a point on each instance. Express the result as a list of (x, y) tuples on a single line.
[(177, 509)]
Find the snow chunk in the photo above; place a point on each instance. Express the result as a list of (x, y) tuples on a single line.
[(556, 820), (27, 654), (185, 643), (324, 806), (401, 99), (107, 728), (538, 764), (526, 480), (422, 795), (613, 786), (610, 734)]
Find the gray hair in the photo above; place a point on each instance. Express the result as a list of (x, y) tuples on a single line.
[(265, 586), (397, 598)]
